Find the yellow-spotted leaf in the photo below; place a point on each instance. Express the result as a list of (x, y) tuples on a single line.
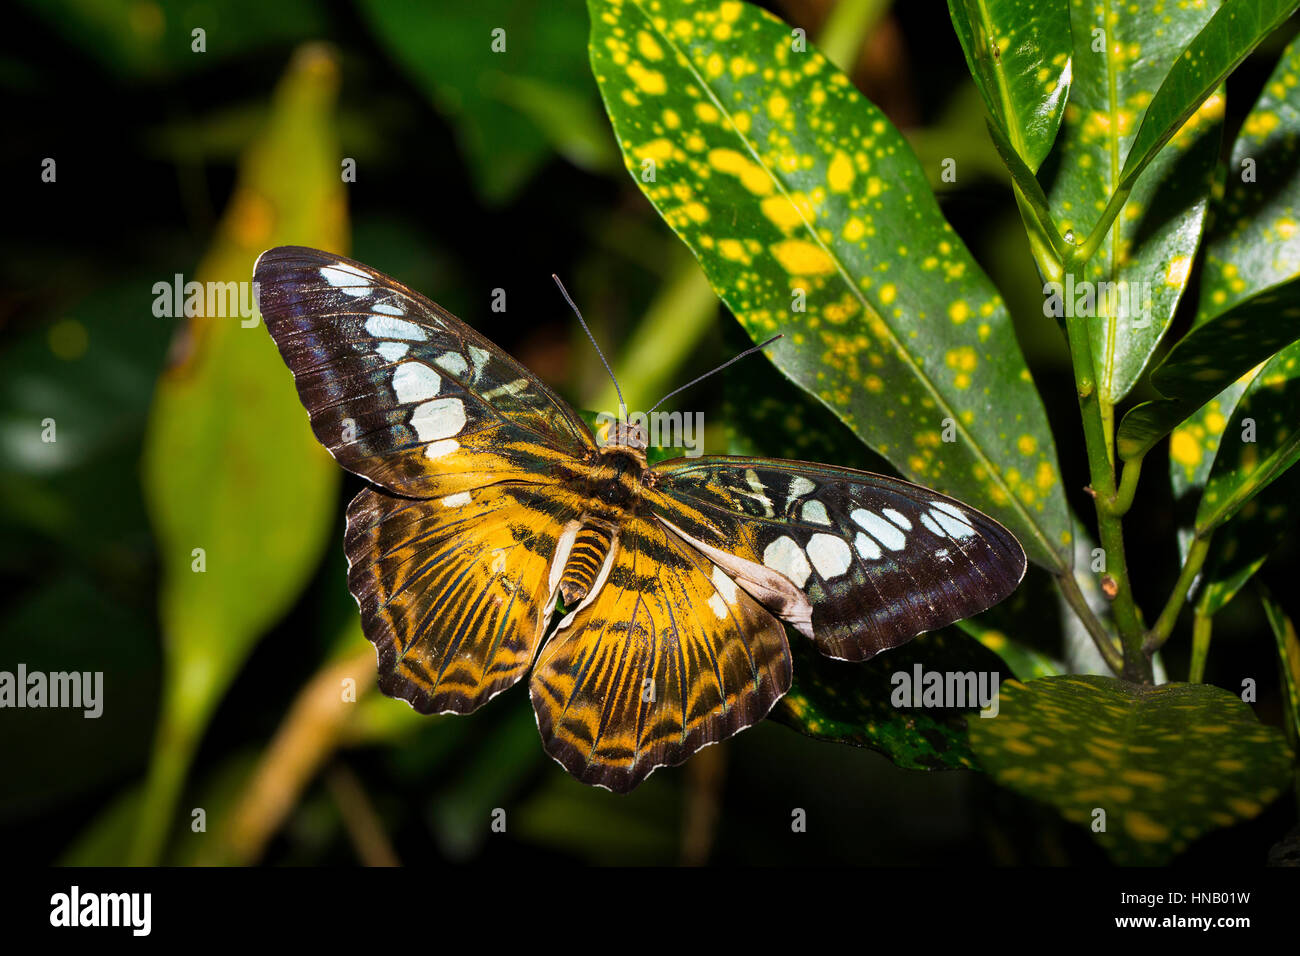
[(240, 494), (1132, 284), (1209, 359), (1249, 304), (812, 217), (1146, 769), (1260, 444), (1236, 28), (1018, 52), (895, 704)]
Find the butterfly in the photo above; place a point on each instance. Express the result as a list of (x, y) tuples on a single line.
[(488, 497)]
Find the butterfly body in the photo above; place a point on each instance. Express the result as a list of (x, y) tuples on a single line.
[(489, 498)]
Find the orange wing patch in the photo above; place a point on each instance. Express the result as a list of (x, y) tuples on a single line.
[(667, 656), (455, 592)]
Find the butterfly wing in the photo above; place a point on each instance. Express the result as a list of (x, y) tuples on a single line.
[(454, 557), (858, 562), (399, 390), (665, 656), (455, 593)]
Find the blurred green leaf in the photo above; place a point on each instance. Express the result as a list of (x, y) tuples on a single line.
[(851, 703), (1121, 56), (462, 815), (1262, 443), (496, 101), (230, 466), (787, 185), (640, 828), (155, 37), (1166, 764), (1019, 51)]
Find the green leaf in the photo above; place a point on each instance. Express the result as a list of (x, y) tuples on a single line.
[(1288, 659), (793, 190), (1208, 359), (1269, 413), (1236, 28), (155, 39), (1192, 448), (1253, 243), (1145, 256), (1166, 764), (1249, 293), (491, 96), (851, 703), (1018, 52), (230, 465)]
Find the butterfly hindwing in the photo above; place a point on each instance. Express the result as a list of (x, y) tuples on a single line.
[(455, 592), (401, 391), (668, 656), (873, 561)]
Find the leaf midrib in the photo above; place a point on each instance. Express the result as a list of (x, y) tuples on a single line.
[(993, 471)]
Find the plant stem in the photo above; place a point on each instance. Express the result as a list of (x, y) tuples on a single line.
[(1201, 627), (1164, 625), (1137, 665), (1120, 504), (1069, 589)]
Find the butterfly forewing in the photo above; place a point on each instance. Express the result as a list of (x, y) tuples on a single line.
[(669, 655), (873, 561), (401, 391)]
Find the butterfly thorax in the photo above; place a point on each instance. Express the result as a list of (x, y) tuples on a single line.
[(611, 487)]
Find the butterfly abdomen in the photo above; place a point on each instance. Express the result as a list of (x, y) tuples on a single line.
[(585, 560)]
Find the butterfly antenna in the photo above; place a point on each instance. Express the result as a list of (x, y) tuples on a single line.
[(622, 406), (730, 361)]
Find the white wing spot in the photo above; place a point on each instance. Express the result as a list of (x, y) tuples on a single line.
[(509, 388), (830, 555), (453, 363), (957, 528), (783, 555), (439, 448), (415, 382), (344, 278), (726, 587), (815, 511), (392, 351), (457, 500), (801, 486), (898, 518), (438, 419), (880, 529), (384, 327), (719, 608), (387, 308), (931, 526), (867, 547)]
